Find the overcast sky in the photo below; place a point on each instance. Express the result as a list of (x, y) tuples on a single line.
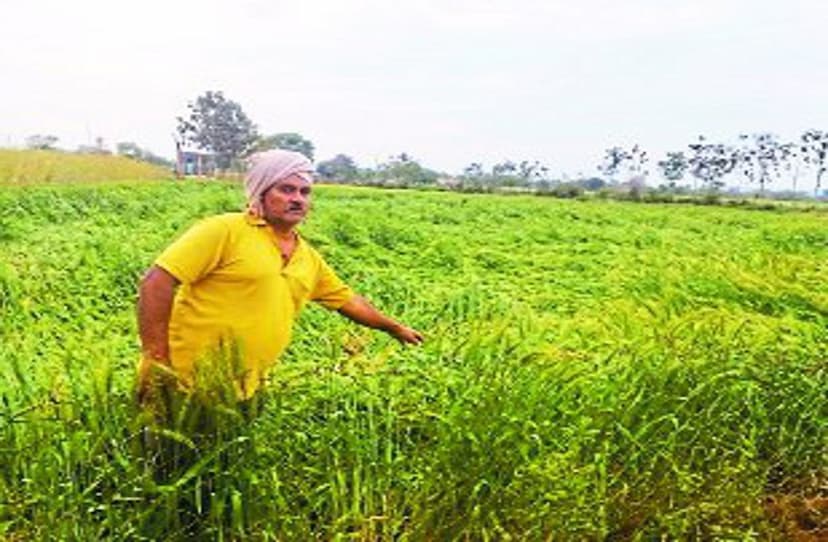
[(449, 82)]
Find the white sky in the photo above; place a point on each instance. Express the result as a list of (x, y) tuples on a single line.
[(449, 82)]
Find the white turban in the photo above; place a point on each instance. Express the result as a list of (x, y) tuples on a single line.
[(268, 168)]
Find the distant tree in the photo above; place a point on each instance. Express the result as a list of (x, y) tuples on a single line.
[(288, 141), (504, 169), (404, 169), (218, 125), (592, 183), (474, 177), (760, 158), (637, 163), (41, 142), (618, 160), (474, 171), (614, 160), (366, 175), (790, 160), (506, 173), (709, 162), (157, 160), (814, 151), (565, 190), (673, 167), (131, 150), (100, 144), (340, 168), (532, 172)]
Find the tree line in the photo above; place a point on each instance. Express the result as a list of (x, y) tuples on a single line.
[(48, 142), (759, 158), (219, 125)]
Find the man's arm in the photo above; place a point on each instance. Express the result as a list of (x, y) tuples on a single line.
[(155, 301), (362, 312)]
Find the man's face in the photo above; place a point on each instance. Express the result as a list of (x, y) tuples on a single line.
[(287, 202)]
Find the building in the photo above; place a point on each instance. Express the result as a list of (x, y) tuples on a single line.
[(190, 161)]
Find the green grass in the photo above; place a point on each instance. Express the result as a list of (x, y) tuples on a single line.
[(593, 370)]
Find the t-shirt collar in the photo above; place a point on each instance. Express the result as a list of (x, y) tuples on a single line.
[(254, 220), (260, 222)]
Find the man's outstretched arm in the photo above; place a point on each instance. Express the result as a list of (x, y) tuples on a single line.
[(362, 312), (155, 301)]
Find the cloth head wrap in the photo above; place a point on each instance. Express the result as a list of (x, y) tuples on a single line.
[(268, 168)]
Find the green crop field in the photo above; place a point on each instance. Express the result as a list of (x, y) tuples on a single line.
[(593, 370), (41, 166)]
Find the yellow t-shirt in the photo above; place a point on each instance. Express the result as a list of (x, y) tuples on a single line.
[(236, 290)]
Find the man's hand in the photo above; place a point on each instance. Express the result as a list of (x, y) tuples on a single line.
[(155, 300), (152, 373), (146, 378), (406, 335), (362, 312)]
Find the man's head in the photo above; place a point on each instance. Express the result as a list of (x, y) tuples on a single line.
[(278, 185), (287, 202)]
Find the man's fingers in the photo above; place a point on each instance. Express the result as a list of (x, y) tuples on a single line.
[(142, 392), (411, 336)]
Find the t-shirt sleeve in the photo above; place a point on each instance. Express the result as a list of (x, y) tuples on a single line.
[(197, 252), (330, 291)]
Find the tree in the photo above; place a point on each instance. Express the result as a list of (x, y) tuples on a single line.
[(287, 141), (614, 158), (474, 176), (41, 142), (504, 169), (633, 161), (341, 168), (474, 171), (592, 183), (760, 158), (403, 169), (131, 150), (218, 125), (532, 172), (637, 164), (815, 153), (709, 162), (505, 174), (673, 167), (790, 159)]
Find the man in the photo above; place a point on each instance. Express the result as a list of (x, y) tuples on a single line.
[(241, 279)]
